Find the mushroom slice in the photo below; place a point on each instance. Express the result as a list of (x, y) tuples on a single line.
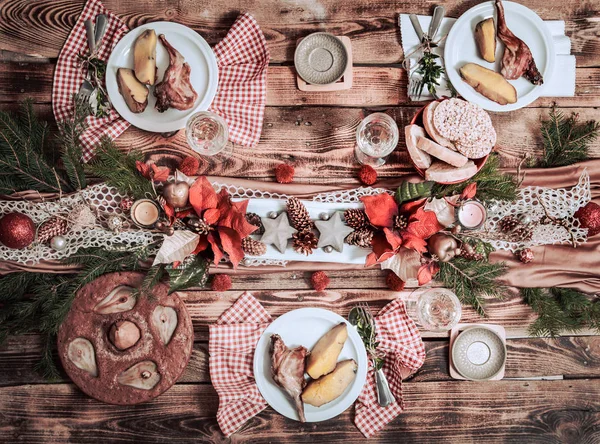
[(81, 354), (165, 321), (119, 300), (143, 375)]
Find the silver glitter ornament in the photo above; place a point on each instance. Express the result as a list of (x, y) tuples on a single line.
[(58, 243), (525, 219)]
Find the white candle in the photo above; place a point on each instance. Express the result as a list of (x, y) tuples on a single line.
[(144, 212), (472, 214)]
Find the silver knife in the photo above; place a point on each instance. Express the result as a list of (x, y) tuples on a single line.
[(436, 21), (417, 26), (101, 25), (91, 40)]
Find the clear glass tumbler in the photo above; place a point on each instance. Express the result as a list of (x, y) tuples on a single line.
[(207, 133), (438, 309), (376, 137)]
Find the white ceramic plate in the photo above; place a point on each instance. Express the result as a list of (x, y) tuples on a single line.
[(204, 75), (304, 327), (460, 48)]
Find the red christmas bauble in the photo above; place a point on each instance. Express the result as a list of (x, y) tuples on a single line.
[(589, 217), (16, 230)]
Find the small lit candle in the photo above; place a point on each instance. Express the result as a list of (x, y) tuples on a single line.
[(144, 212), (471, 214)]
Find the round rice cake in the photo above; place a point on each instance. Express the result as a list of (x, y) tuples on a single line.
[(467, 125)]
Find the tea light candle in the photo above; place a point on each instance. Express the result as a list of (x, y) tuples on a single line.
[(144, 212), (471, 214)]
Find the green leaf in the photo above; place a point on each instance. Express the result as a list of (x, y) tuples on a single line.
[(410, 191), (194, 274)]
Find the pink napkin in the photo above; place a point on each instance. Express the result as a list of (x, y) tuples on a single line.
[(242, 57), (233, 340)]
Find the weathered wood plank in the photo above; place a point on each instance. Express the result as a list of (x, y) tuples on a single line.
[(502, 411), (319, 141), (39, 28), (571, 357), (373, 87)]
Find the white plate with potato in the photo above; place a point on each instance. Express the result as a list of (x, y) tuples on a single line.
[(461, 48), (204, 75), (304, 327)]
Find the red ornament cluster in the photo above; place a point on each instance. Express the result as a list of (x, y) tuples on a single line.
[(221, 282), (189, 166), (367, 175), (284, 173), (526, 255), (319, 280), (589, 217)]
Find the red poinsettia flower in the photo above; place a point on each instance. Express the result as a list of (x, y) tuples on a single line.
[(226, 217), (422, 225), (427, 272), (152, 172), (380, 209)]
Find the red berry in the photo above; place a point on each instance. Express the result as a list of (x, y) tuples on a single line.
[(319, 280), (284, 173), (189, 166), (367, 175), (221, 282), (394, 283)]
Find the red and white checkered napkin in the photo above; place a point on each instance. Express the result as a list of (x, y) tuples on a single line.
[(68, 76), (235, 335), (401, 341), (242, 57), (231, 346)]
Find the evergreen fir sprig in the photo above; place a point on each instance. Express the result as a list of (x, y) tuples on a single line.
[(70, 146), (566, 140), (118, 169), (472, 281), (491, 183), (561, 310)]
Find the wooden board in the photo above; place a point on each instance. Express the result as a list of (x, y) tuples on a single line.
[(501, 411)]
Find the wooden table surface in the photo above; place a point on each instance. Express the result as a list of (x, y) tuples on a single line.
[(551, 392)]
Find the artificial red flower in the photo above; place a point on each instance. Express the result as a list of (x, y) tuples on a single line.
[(380, 209), (367, 175), (408, 208), (228, 219), (221, 282), (469, 191), (319, 280), (427, 272), (152, 172), (421, 225)]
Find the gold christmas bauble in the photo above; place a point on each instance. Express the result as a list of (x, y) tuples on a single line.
[(443, 246), (176, 194)]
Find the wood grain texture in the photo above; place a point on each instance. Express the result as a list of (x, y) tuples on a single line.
[(572, 357), (39, 27), (374, 86), (500, 411)]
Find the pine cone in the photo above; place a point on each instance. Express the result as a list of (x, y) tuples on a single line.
[(55, 226), (305, 242), (298, 215), (197, 225), (356, 219), (400, 222), (361, 238), (126, 203), (522, 234), (253, 247), (254, 219), (508, 223)]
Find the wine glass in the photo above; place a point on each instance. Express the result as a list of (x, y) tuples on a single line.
[(207, 134), (376, 137), (438, 309)]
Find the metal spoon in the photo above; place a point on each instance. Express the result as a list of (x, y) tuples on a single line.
[(361, 315), (438, 14)]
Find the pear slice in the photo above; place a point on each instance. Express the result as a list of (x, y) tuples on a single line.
[(165, 321), (485, 37), (323, 357), (81, 354), (144, 57), (331, 386), (120, 299), (134, 92), (143, 375)]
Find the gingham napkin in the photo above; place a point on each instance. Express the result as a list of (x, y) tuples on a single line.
[(242, 57), (231, 347), (562, 81)]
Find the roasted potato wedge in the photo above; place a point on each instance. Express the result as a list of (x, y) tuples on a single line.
[(144, 57), (331, 386), (324, 355), (485, 37), (489, 83), (134, 92)]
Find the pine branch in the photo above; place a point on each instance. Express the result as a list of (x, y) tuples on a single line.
[(152, 278), (118, 169), (566, 141), (70, 145), (491, 183), (472, 281)]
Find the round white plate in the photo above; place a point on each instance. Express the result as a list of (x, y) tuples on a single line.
[(197, 53), (305, 326), (460, 48)]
